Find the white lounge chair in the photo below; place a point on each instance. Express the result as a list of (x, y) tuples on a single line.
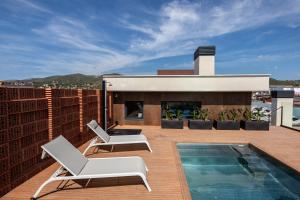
[(113, 140), (80, 167)]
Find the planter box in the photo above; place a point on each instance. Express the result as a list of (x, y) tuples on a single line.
[(200, 124), (255, 125), (172, 124), (227, 125)]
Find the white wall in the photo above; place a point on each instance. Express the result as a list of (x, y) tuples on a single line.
[(194, 83), (204, 65), (284, 115)]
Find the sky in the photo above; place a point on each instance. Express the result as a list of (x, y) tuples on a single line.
[(40, 38)]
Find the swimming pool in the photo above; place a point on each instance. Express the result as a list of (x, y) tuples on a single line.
[(296, 112), (236, 172)]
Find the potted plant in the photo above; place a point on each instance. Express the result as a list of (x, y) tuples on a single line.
[(173, 120), (200, 119), (228, 120), (253, 120)]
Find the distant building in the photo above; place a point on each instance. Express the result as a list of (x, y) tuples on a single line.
[(297, 92), (15, 84), (286, 87)]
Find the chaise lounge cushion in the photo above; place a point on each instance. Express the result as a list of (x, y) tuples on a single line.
[(66, 154), (116, 165), (99, 131)]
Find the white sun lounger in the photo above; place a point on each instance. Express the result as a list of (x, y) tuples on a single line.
[(113, 140), (80, 167)]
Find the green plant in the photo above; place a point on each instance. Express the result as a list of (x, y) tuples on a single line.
[(259, 113), (179, 114), (203, 114), (233, 114), (222, 115), (248, 114), (172, 114), (169, 115), (195, 114)]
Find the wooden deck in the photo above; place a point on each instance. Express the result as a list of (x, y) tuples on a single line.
[(165, 174)]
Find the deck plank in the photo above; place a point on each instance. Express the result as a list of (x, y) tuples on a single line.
[(165, 173)]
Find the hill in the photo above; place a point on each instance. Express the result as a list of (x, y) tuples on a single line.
[(68, 81), (295, 83), (92, 82), (64, 81)]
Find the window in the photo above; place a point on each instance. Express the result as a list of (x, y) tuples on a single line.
[(134, 110), (185, 107)]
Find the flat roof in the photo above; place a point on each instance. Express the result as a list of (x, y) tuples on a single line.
[(194, 76)]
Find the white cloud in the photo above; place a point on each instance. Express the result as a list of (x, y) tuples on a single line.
[(35, 6), (177, 28), (85, 53), (175, 19), (183, 21), (182, 26), (23, 6)]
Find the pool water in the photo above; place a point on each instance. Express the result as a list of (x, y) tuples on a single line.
[(236, 172), (296, 112)]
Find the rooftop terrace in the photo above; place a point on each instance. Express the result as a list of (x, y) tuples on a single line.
[(166, 177)]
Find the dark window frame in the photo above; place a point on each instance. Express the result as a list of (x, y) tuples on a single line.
[(133, 118)]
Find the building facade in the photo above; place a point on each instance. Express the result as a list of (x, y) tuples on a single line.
[(143, 100)]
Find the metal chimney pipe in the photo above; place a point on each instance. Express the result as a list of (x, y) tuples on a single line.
[(104, 105)]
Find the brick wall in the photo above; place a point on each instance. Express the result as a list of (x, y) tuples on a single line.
[(31, 117), (24, 128), (64, 114), (89, 110)]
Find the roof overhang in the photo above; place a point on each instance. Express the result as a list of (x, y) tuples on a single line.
[(188, 83)]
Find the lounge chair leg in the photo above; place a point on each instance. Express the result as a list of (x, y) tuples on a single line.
[(96, 149), (147, 143), (90, 145), (146, 183), (86, 150), (65, 184), (87, 182), (41, 187), (60, 184)]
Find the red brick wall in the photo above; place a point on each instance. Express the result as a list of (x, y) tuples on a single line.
[(64, 114), (23, 129), (89, 110), (31, 117)]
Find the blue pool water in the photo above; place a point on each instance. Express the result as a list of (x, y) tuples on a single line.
[(236, 172), (296, 112)]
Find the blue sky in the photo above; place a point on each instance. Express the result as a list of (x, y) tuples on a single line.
[(55, 37)]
